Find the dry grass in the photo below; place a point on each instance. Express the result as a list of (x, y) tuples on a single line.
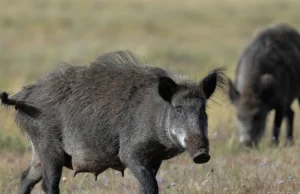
[(191, 36)]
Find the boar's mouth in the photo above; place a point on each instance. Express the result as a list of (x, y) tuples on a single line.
[(201, 156)]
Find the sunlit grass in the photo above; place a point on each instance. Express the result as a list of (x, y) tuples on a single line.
[(189, 36)]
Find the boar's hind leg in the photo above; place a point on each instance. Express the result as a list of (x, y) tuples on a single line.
[(52, 164), (290, 127), (279, 114), (31, 175)]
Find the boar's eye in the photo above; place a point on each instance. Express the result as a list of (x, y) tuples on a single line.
[(179, 109)]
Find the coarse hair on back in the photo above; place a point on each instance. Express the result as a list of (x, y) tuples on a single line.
[(125, 59), (119, 58)]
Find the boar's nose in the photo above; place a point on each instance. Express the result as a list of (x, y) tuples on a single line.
[(201, 156)]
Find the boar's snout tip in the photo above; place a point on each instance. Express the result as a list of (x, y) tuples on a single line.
[(201, 157)]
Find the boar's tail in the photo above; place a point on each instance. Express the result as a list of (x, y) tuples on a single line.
[(19, 105)]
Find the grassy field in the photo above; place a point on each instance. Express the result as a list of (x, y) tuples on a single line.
[(189, 36)]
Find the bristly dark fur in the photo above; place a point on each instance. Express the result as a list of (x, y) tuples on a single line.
[(19, 105)]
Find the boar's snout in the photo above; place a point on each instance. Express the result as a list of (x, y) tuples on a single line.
[(198, 148), (201, 156)]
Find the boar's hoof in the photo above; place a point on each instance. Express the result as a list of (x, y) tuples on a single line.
[(201, 157)]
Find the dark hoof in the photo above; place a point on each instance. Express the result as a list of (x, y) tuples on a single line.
[(201, 157)]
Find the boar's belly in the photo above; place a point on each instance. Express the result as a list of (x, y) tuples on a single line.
[(93, 165)]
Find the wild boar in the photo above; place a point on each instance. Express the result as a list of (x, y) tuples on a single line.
[(267, 78), (113, 113)]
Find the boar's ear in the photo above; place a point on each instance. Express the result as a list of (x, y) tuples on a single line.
[(166, 88), (232, 92), (212, 81), (267, 84)]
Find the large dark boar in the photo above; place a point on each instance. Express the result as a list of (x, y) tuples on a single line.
[(267, 77), (114, 113)]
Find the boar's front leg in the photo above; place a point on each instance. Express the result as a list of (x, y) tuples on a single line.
[(144, 170), (155, 166), (145, 175)]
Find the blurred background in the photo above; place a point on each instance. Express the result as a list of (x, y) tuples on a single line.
[(190, 36)]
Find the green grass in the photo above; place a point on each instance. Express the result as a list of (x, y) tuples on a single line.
[(189, 36)]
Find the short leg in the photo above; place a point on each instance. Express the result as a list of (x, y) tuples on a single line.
[(155, 166), (143, 170), (52, 162), (290, 126), (276, 128), (51, 177), (31, 176), (148, 183)]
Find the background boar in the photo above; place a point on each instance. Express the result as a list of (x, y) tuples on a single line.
[(114, 113), (267, 77)]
